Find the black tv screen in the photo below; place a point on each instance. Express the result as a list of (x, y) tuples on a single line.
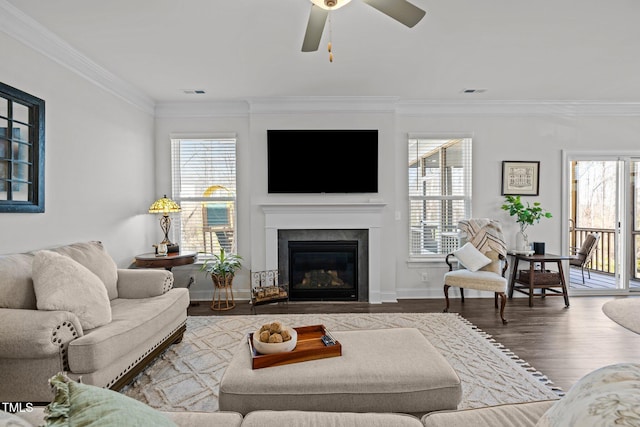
[(322, 161)]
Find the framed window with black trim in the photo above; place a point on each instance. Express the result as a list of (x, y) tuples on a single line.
[(520, 178), (21, 151)]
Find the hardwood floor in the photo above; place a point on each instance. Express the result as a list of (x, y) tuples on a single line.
[(563, 343)]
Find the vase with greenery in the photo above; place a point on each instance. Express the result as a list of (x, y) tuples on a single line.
[(222, 267), (526, 215)]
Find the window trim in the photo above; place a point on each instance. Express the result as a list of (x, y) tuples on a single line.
[(36, 106), (467, 198), (176, 184)]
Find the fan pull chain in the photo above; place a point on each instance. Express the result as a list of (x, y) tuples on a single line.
[(329, 46)]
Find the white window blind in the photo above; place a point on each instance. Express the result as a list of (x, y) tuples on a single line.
[(204, 185), (439, 193)]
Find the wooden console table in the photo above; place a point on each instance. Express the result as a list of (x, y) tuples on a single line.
[(526, 281)]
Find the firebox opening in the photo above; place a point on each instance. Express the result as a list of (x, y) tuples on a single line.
[(323, 270)]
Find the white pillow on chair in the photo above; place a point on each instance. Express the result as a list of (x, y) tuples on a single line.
[(471, 258)]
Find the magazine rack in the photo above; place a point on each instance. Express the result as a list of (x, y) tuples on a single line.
[(265, 289)]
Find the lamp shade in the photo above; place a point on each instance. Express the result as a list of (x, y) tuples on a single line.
[(164, 205)]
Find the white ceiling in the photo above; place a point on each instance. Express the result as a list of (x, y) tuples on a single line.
[(242, 49)]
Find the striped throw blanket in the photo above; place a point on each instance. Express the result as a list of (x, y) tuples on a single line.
[(485, 234)]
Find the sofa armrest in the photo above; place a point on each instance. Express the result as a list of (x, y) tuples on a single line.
[(143, 283), (33, 334)]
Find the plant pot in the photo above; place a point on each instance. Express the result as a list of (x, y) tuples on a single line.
[(222, 281), (222, 284), (522, 241)]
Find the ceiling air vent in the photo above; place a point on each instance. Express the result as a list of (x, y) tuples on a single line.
[(193, 91)]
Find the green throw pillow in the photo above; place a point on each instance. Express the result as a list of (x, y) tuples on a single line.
[(77, 404)]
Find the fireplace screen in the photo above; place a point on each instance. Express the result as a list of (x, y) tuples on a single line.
[(323, 270)]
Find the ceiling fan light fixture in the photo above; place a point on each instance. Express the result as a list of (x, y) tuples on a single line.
[(330, 4)]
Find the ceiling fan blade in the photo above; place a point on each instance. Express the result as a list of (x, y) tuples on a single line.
[(315, 27), (400, 10)]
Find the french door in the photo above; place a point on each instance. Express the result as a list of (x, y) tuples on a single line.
[(602, 197)]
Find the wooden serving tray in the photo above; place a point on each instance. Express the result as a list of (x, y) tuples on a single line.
[(308, 347)]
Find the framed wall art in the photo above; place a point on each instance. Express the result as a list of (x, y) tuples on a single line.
[(520, 178)]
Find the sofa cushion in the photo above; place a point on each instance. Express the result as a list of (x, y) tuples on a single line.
[(479, 280), (327, 419), (93, 256), (133, 321), (471, 258), (205, 419), (605, 397), (17, 286), (84, 405), (11, 420), (61, 283), (182, 418), (508, 415), (36, 416)]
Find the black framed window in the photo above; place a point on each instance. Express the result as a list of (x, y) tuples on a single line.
[(21, 151)]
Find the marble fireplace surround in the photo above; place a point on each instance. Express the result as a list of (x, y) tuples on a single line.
[(308, 216)]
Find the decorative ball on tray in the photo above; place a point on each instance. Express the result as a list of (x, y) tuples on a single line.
[(274, 338)]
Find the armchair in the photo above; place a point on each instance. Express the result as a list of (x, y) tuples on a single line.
[(584, 254), (484, 260)]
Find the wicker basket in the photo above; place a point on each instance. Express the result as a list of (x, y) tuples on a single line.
[(540, 277)]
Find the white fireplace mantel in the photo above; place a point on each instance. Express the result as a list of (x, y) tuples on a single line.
[(289, 216)]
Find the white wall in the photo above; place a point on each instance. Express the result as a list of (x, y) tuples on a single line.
[(499, 131), (99, 163)]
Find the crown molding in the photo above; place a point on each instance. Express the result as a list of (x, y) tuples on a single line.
[(203, 109), (25, 29), (323, 104), (394, 105), (518, 108), (397, 106)]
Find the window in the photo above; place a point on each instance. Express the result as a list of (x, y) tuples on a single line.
[(21, 151), (204, 185), (439, 193)]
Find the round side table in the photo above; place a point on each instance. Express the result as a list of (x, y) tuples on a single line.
[(174, 259)]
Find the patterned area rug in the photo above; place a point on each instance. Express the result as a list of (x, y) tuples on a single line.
[(625, 312), (186, 377)]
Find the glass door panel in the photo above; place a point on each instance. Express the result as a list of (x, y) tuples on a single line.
[(594, 212), (634, 282), (605, 202)]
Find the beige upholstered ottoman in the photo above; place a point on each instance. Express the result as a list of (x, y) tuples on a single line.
[(385, 370)]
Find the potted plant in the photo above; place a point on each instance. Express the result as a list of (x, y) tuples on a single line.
[(525, 216), (222, 268)]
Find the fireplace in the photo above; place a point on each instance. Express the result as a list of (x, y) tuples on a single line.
[(324, 264), (361, 221), (323, 270)]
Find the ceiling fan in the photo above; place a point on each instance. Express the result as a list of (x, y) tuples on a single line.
[(400, 10)]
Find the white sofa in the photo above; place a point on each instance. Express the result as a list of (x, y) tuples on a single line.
[(146, 316), (607, 396)]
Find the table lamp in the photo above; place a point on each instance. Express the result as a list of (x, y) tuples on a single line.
[(165, 206)]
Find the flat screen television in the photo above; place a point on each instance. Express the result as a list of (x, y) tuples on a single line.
[(322, 161)]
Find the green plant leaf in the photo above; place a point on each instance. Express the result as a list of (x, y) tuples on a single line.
[(525, 215)]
